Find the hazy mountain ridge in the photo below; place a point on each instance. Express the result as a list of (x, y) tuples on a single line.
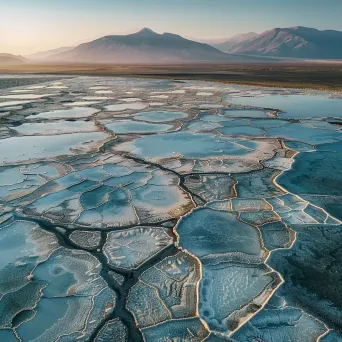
[(46, 54), (149, 47), (293, 42), (227, 45), (9, 59), (144, 46)]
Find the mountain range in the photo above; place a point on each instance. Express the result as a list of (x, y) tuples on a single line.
[(292, 42), (145, 46)]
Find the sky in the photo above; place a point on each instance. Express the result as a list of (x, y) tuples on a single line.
[(29, 26)]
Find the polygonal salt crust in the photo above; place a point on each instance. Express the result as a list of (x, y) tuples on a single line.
[(86, 239), (257, 185), (205, 152), (33, 148), (129, 249), (131, 126), (258, 218), (159, 116), (190, 330), (77, 112), (206, 232), (18, 181), (276, 235), (278, 163), (49, 292), (77, 317), (112, 331), (56, 127), (250, 204), (210, 187), (231, 292), (23, 246), (290, 324), (111, 195), (166, 291), (68, 279)]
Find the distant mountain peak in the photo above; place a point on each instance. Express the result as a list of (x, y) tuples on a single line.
[(146, 31)]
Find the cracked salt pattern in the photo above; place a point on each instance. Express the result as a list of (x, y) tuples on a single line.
[(214, 215)]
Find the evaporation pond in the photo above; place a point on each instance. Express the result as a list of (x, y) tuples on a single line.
[(77, 112), (130, 99), (81, 103), (294, 106), (244, 113), (18, 149), (314, 173), (25, 96), (15, 103), (159, 116), (56, 127), (130, 126), (126, 106), (242, 130), (185, 144)]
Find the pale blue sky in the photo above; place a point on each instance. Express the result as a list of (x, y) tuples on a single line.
[(28, 26)]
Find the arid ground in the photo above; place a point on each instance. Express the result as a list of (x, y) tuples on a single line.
[(313, 74)]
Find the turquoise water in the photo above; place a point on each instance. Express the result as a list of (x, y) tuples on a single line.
[(243, 130), (56, 127), (303, 133), (244, 113), (130, 126), (126, 106), (294, 106), (159, 116), (315, 175), (206, 232), (186, 144), (77, 112), (38, 147)]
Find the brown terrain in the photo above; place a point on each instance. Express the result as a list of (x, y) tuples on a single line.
[(292, 74)]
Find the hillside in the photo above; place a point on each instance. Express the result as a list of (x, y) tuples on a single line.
[(227, 45), (293, 42)]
